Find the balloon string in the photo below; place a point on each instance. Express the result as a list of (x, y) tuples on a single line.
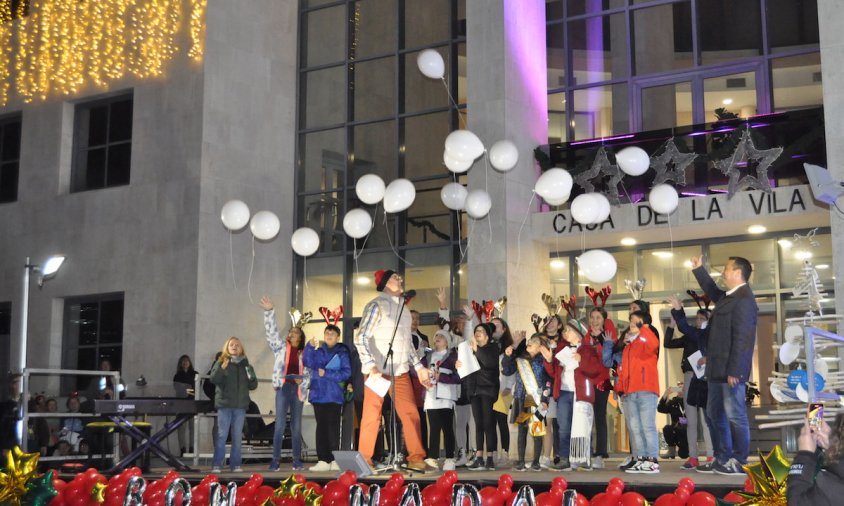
[(231, 259), (305, 276), (468, 241), (460, 235), (519, 236), (390, 241), (456, 107), (671, 243), (251, 268), (362, 246)]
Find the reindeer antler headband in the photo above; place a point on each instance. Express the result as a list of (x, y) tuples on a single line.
[(298, 318)]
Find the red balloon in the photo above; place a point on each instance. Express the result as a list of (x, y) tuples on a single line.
[(602, 499), (682, 494), (581, 500), (300, 478), (348, 479), (450, 477), (748, 485), (733, 497), (615, 489), (558, 482), (632, 499), (544, 499), (199, 499), (397, 477), (615, 480), (491, 497), (687, 482), (59, 484), (702, 499), (506, 480), (667, 500), (57, 500)]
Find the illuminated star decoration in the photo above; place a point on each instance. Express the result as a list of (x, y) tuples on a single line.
[(288, 487), (312, 497), (679, 161), (601, 167), (98, 492), (20, 468), (40, 491), (769, 479), (745, 152)]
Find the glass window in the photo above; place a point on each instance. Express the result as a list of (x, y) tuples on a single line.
[(797, 81), (599, 48), (667, 106), (325, 36), (428, 220), (578, 7), (374, 150), (794, 253), (668, 47), (323, 94), (10, 148), (423, 144), (363, 289), (5, 333), (374, 28), (103, 144), (667, 270), (323, 213), (323, 160), (323, 285), (420, 92), (557, 127), (760, 253), (93, 332), (730, 96), (729, 30), (462, 81), (601, 111), (378, 78), (560, 270), (426, 22), (792, 24), (430, 270), (555, 54)]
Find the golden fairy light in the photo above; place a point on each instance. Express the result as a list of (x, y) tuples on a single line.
[(60, 46)]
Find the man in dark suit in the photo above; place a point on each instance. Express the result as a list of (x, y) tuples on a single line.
[(729, 356)]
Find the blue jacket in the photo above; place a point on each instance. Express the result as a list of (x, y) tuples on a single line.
[(537, 364), (328, 389)]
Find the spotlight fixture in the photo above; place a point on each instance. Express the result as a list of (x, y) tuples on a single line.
[(757, 229), (628, 241)]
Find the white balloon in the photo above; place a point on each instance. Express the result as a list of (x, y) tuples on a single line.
[(604, 206), (778, 394), (399, 195), (663, 199), (503, 155), (789, 352), (305, 241), (463, 145), (264, 225), (431, 63), (554, 185), (453, 196), (585, 209), (633, 161), (802, 394), (235, 215), (597, 265), (793, 332), (821, 367), (357, 223), (478, 204), (455, 165), (370, 189)]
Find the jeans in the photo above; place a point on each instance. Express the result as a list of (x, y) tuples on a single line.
[(726, 415), (640, 415), (287, 398), (565, 404), (229, 419)]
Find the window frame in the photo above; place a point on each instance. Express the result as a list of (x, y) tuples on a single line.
[(78, 180)]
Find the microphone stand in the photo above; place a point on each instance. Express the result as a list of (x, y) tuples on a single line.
[(394, 453)]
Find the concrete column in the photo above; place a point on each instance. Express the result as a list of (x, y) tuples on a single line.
[(830, 21), (507, 99)]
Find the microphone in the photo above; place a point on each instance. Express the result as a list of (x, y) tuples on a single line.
[(408, 295)]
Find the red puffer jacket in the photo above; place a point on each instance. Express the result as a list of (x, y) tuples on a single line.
[(584, 376), (610, 334), (638, 370)]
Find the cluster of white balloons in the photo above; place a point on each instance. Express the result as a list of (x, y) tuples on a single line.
[(597, 265), (264, 224), (633, 161), (370, 189), (590, 208)]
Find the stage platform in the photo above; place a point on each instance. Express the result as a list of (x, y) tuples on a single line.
[(588, 482)]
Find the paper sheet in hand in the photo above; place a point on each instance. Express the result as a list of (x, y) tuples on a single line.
[(378, 384), (698, 369), (468, 361)]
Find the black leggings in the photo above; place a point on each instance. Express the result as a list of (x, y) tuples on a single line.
[(484, 417), (503, 430), (601, 398), (441, 420), (327, 430), (522, 442)]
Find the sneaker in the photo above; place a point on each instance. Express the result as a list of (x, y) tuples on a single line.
[(690, 464), (645, 466), (490, 463), (503, 459), (419, 467), (544, 462), (461, 458), (273, 467), (556, 459), (520, 466), (334, 466), (297, 466), (535, 466), (216, 470), (449, 465), (237, 469), (320, 466), (584, 467), (627, 462), (432, 463), (706, 468), (731, 468), (562, 465), (598, 462), (477, 464), (630, 462)]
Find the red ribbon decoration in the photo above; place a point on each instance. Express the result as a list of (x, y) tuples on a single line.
[(332, 317)]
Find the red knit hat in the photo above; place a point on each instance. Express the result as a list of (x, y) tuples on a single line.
[(381, 278)]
